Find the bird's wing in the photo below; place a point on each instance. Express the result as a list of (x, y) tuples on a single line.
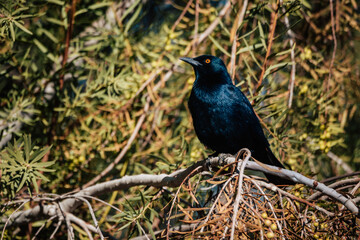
[(243, 109)]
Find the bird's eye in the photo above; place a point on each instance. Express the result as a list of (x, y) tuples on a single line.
[(207, 60)]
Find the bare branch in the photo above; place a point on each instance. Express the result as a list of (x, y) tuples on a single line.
[(171, 180), (241, 168), (86, 227), (340, 162)]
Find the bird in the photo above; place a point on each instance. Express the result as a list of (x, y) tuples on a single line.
[(223, 118)]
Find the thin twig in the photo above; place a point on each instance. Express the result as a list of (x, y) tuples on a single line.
[(271, 207), (270, 40), (67, 222), (125, 149), (196, 27), (331, 179), (334, 186), (175, 197), (274, 188), (175, 229), (81, 223), (241, 168), (92, 216), (42, 226), (327, 83), (11, 215), (233, 38), (215, 202), (56, 228), (340, 162), (293, 63), (181, 15), (213, 25), (67, 41)]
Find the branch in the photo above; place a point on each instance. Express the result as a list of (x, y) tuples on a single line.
[(340, 162), (173, 230), (293, 63), (233, 38), (213, 25), (71, 202), (270, 40)]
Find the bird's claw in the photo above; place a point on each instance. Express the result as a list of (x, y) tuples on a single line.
[(223, 156)]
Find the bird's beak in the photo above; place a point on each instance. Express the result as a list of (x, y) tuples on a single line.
[(191, 61)]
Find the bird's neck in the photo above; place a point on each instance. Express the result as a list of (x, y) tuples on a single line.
[(212, 79)]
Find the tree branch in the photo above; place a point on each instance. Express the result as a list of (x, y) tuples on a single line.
[(69, 203)]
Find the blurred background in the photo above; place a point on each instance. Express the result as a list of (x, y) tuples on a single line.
[(98, 86)]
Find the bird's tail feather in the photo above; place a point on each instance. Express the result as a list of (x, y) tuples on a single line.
[(275, 162)]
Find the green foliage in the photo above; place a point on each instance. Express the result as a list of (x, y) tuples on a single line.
[(82, 84), (21, 166)]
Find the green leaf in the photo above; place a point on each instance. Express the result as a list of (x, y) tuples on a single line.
[(41, 176), (81, 11), (249, 48), (12, 31), (49, 35), (38, 155), (99, 5), (58, 2), (22, 27), (45, 169), (40, 46), (56, 21), (252, 54), (132, 19), (279, 66), (248, 33), (125, 226), (42, 164), (20, 9), (262, 35), (16, 153), (129, 10), (24, 178), (217, 44), (33, 179), (27, 147)]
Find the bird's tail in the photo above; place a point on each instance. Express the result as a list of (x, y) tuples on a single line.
[(275, 162)]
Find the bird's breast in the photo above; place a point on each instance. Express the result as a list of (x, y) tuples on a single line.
[(216, 123)]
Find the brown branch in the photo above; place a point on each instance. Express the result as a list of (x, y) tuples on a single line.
[(124, 150), (196, 27), (71, 18), (213, 25), (175, 197), (326, 83), (270, 40), (274, 188), (341, 176), (173, 231), (181, 15), (233, 38)]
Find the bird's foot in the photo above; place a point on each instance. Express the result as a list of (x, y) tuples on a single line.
[(222, 157), (219, 158)]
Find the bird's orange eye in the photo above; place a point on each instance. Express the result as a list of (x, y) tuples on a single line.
[(207, 60)]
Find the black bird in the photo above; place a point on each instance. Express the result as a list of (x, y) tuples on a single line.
[(223, 117)]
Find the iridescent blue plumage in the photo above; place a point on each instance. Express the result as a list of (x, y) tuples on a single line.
[(223, 117)]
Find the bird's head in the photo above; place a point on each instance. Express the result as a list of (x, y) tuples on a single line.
[(209, 68)]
